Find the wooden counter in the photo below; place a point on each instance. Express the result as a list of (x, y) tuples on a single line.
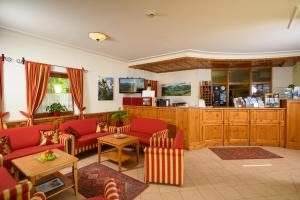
[(220, 126)]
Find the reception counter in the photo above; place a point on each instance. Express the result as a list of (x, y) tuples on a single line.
[(204, 127)]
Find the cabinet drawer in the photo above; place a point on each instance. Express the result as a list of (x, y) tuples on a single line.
[(265, 116), (212, 116), (240, 116)]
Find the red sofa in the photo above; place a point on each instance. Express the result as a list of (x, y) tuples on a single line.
[(11, 190), (87, 136), (144, 129), (26, 141)]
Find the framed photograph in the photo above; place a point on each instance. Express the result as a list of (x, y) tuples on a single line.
[(105, 89), (176, 89)]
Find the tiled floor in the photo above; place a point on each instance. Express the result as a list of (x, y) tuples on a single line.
[(207, 177)]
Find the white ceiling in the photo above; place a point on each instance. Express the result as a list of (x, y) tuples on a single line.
[(224, 26)]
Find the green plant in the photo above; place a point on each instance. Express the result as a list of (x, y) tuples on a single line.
[(119, 115), (56, 107)]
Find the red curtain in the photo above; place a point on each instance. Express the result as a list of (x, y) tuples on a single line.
[(2, 114), (76, 85), (153, 85), (37, 76)]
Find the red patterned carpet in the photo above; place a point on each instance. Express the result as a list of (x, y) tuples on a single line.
[(91, 181), (240, 153)]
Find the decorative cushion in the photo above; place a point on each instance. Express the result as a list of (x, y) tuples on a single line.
[(178, 141), (101, 127), (111, 190), (49, 137), (72, 131), (4, 145)]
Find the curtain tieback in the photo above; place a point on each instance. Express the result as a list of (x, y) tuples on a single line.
[(82, 109), (26, 114), (3, 114)]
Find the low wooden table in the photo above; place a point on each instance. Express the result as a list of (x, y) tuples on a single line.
[(118, 155), (40, 172)]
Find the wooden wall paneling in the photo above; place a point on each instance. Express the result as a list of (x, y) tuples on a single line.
[(292, 123), (182, 119), (212, 127), (282, 128), (236, 127), (195, 128)]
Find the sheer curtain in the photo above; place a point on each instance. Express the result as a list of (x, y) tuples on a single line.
[(62, 98)]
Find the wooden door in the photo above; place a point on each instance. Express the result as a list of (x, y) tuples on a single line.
[(265, 135)]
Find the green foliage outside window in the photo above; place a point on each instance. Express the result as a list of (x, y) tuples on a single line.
[(63, 82)]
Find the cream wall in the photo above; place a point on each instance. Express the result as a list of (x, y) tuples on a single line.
[(296, 73), (16, 46), (282, 77)]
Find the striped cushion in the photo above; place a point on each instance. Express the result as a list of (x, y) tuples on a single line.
[(124, 129), (163, 133), (161, 142), (112, 129), (20, 191), (110, 190), (38, 196)]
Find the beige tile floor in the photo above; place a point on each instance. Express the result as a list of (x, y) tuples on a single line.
[(207, 177)]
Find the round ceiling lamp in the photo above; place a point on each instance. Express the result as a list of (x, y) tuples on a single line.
[(98, 36)]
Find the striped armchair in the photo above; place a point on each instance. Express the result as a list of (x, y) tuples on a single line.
[(164, 160), (11, 190), (110, 191)]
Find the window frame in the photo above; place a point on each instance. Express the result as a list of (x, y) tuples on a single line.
[(47, 114)]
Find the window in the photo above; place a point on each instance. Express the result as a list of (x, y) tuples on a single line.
[(58, 92)]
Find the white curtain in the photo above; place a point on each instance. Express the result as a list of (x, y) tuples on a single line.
[(62, 98)]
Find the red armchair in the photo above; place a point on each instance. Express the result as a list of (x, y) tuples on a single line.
[(144, 129), (11, 190), (164, 160)]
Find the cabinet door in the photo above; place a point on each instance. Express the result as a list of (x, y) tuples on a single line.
[(213, 134), (265, 135), (148, 113), (166, 114), (293, 124), (236, 134), (212, 116)]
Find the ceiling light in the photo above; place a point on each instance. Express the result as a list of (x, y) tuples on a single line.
[(151, 14), (98, 36)]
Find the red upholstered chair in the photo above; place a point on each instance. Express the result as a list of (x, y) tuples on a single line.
[(164, 160), (110, 191), (11, 190), (144, 129)]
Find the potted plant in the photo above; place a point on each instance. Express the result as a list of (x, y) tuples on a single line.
[(56, 109), (119, 117)]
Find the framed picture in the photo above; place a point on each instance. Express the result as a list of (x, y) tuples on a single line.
[(176, 89), (105, 88)]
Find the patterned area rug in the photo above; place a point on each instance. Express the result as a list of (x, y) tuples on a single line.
[(91, 182), (239, 153)]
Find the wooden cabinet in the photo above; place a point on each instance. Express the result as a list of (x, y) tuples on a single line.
[(292, 123), (167, 114), (236, 127), (265, 127), (182, 119), (212, 127)]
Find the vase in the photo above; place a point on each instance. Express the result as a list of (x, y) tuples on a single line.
[(56, 114)]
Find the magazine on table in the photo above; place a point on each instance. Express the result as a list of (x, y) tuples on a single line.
[(49, 185)]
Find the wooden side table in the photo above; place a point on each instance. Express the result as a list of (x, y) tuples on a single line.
[(118, 155), (39, 172)]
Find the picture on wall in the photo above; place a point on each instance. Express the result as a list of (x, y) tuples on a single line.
[(176, 89), (105, 88)]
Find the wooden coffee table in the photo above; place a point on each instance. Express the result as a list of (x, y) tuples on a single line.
[(118, 154), (40, 172)]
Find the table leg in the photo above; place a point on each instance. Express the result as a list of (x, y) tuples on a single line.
[(33, 181), (120, 157), (137, 152), (99, 152), (75, 177)]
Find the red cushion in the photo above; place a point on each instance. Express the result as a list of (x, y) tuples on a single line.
[(178, 141), (25, 136), (144, 138), (89, 139), (145, 125), (7, 180), (28, 151), (83, 127)]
